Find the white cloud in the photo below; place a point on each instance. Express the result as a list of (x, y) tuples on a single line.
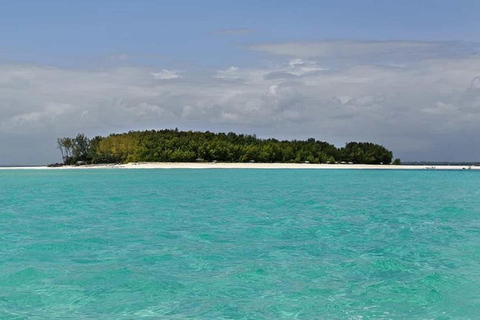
[(166, 74), (428, 109), (36, 120), (229, 73)]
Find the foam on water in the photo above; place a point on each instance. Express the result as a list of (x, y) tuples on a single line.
[(239, 244)]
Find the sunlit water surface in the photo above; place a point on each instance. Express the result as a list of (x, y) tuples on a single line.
[(239, 244)]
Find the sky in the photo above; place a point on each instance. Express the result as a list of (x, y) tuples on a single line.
[(405, 74)]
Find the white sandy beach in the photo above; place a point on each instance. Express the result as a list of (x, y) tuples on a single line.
[(218, 165)]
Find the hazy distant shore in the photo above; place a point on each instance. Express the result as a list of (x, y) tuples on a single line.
[(218, 165)]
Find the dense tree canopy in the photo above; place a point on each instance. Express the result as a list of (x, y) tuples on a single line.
[(75, 149), (188, 146)]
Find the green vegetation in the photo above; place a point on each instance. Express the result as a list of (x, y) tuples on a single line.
[(183, 146)]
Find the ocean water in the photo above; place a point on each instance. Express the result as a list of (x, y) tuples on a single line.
[(239, 244)]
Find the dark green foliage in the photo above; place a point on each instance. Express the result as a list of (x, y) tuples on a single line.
[(365, 152), (76, 149), (188, 146)]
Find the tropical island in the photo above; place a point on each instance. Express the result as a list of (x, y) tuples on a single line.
[(172, 145)]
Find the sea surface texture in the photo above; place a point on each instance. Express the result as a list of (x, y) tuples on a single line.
[(239, 244)]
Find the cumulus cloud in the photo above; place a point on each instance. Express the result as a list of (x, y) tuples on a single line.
[(426, 109), (166, 74)]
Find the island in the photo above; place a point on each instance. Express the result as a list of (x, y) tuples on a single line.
[(173, 145)]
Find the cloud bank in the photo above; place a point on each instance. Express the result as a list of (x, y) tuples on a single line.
[(424, 107)]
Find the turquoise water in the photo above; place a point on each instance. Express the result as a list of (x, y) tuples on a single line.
[(239, 244)]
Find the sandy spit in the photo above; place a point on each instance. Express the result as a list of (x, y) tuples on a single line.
[(219, 165)]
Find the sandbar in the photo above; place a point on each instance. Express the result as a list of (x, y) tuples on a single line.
[(222, 165)]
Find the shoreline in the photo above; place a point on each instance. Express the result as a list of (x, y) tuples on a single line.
[(222, 165)]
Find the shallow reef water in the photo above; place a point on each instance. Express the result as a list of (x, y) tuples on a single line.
[(239, 244)]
